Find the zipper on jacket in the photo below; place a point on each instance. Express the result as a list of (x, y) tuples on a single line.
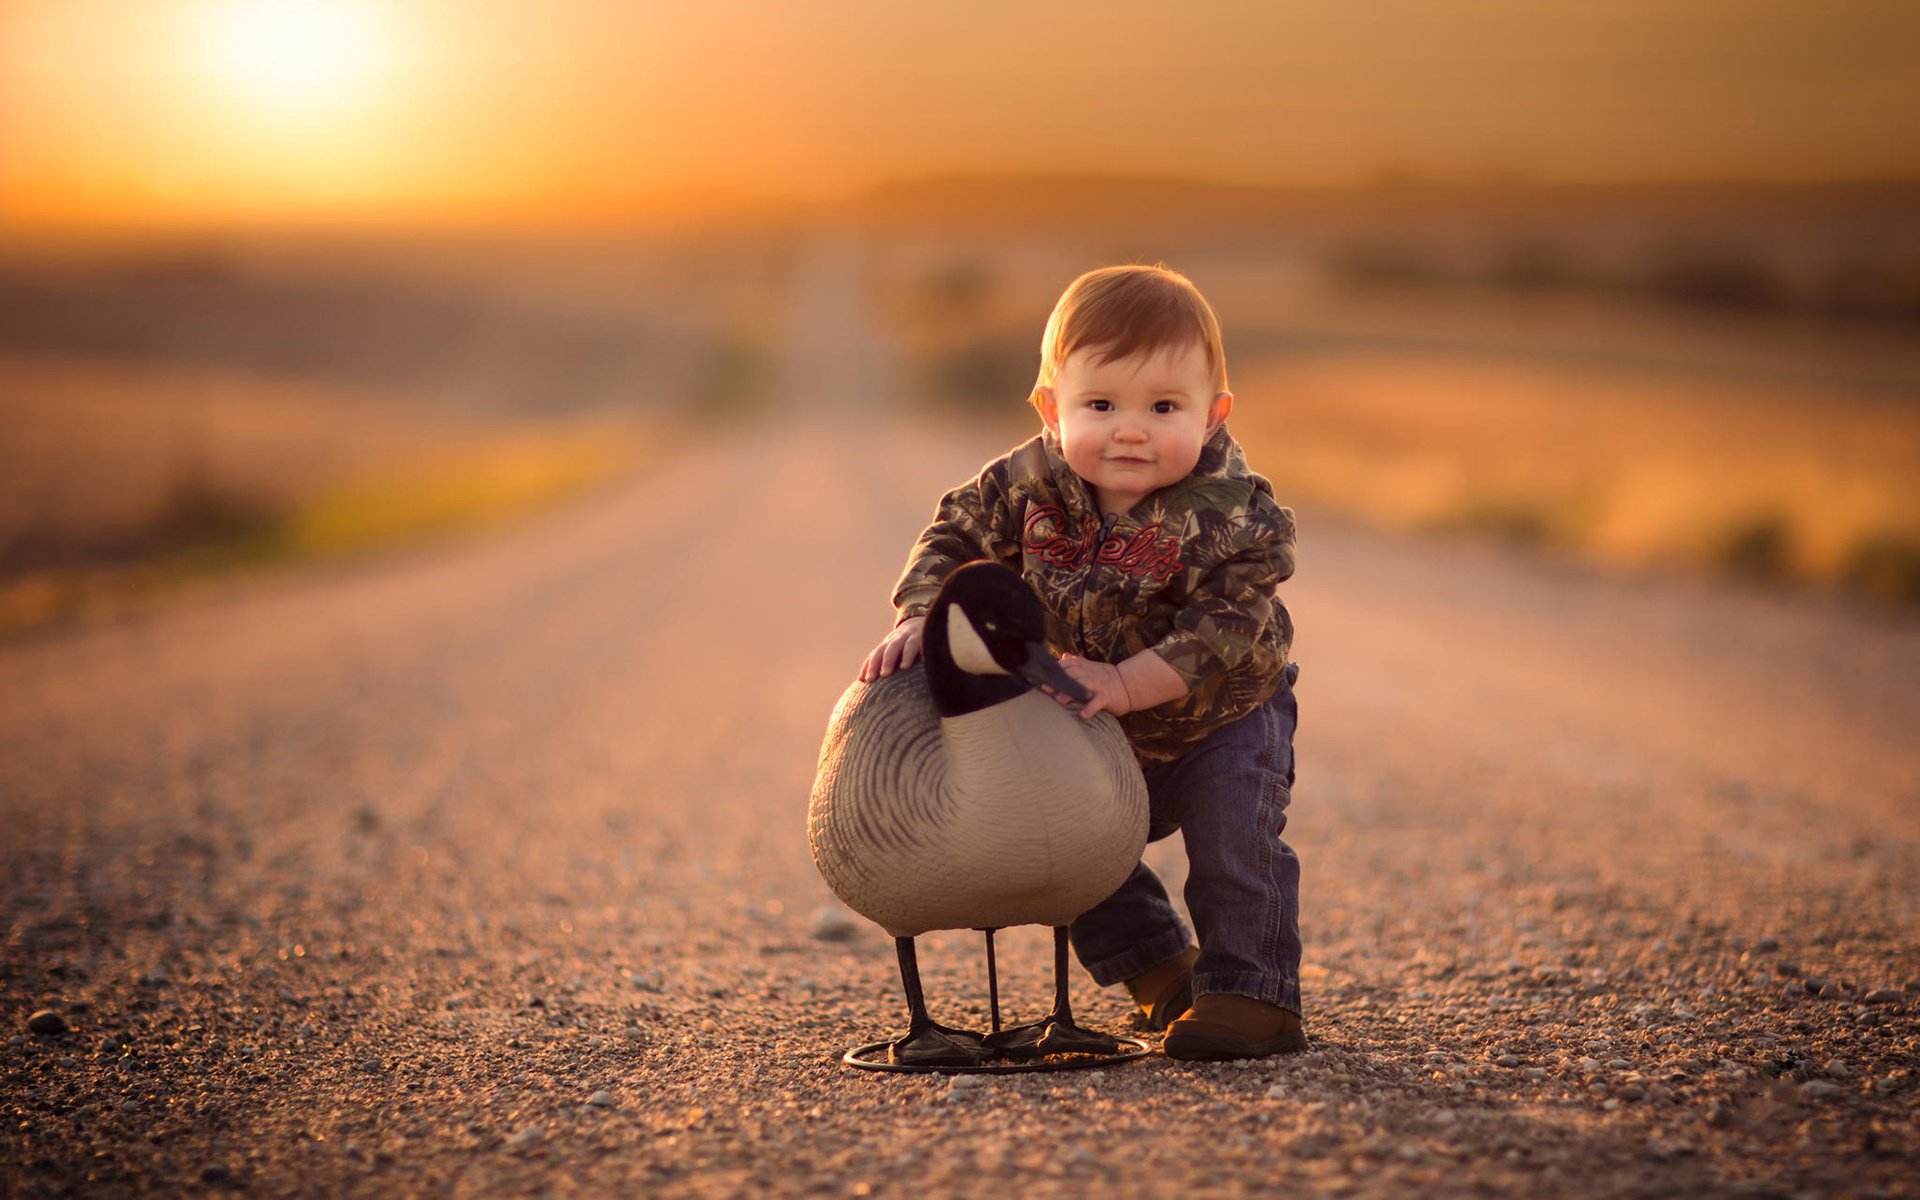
[(1107, 522)]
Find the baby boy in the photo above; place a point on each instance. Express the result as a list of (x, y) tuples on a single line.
[(1156, 551)]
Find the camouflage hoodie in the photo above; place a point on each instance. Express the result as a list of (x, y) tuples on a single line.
[(1189, 573)]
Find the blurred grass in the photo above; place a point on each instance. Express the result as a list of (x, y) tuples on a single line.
[(1628, 470), (206, 526), (501, 476)]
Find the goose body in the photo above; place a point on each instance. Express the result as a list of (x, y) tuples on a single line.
[(1019, 813), (953, 795)]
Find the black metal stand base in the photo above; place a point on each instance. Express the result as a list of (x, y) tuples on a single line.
[(878, 1057), (1052, 1044)]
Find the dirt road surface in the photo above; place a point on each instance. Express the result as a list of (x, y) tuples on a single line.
[(483, 872)]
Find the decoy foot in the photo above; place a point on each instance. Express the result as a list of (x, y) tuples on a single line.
[(1051, 1036), (937, 1046)]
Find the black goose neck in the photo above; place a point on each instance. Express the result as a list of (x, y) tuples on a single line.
[(956, 692)]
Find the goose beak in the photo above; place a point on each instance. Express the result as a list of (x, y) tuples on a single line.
[(1041, 668)]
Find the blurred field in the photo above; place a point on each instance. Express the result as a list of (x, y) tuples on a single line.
[(1682, 402), (1776, 482), (115, 480), (174, 416)]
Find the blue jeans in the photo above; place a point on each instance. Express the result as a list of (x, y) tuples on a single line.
[(1228, 796)]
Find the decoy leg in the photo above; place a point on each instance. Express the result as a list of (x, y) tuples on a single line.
[(993, 982), (1056, 1034), (927, 1044)]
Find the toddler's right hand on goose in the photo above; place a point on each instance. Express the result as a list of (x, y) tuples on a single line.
[(897, 651)]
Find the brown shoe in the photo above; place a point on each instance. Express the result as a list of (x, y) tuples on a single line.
[(1222, 1025), (1162, 993)]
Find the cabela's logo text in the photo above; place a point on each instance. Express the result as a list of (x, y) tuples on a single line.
[(1146, 552)]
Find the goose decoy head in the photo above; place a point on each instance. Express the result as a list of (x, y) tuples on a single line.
[(987, 623)]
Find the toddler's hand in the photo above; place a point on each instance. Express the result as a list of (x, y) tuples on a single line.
[(896, 651), (1103, 680)]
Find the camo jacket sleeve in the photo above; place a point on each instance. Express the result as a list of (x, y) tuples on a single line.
[(975, 520), (1228, 614)]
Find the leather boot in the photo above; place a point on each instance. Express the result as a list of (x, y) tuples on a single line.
[(1165, 991), (1222, 1025)]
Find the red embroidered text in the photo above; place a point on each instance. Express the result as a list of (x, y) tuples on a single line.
[(1145, 552)]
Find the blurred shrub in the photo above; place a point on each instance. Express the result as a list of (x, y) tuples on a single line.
[(957, 289), (990, 367), (196, 514), (1886, 565), (1389, 263), (1863, 283), (1718, 274), (736, 379), (1534, 265), (1759, 547)]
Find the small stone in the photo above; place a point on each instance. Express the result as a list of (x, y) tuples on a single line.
[(1837, 1069), (67, 1061), (127, 1106), (1814, 984), (1832, 991), (1885, 996), (371, 1066), (635, 1033), (1507, 1060), (601, 1099), (1535, 1073), (1820, 1089), (47, 1023), (1619, 1064), (17, 1040), (966, 1083), (710, 1026), (1767, 945), (1277, 1092), (832, 924), (527, 1137), (157, 975), (646, 981), (1786, 968), (215, 1172)]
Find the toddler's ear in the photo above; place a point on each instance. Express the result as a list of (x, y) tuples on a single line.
[(1049, 408), (1217, 415)]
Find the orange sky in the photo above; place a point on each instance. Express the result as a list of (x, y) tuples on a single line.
[(166, 111)]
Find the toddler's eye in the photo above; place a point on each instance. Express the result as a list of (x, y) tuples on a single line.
[(1100, 405), (1164, 406)]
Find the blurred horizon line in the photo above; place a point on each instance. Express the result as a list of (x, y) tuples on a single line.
[(1004, 197)]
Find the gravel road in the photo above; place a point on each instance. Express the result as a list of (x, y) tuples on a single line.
[(483, 872)]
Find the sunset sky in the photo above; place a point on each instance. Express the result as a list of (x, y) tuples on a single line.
[(169, 111)]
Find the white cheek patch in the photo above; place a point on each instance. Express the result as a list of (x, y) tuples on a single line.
[(969, 652)]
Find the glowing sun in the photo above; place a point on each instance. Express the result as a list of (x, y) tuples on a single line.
[(293, 54)]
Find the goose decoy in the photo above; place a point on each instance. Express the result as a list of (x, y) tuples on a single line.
[(956, 795)]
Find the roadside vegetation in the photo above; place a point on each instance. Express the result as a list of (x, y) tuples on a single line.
[(1664, 408)]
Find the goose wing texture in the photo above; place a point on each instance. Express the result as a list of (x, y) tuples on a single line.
[(880, 801), (1017, 814)]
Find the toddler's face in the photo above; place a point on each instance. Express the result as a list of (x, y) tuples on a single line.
[(1133, 425)]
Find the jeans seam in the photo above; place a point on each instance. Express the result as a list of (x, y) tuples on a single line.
[(1270, 926)]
